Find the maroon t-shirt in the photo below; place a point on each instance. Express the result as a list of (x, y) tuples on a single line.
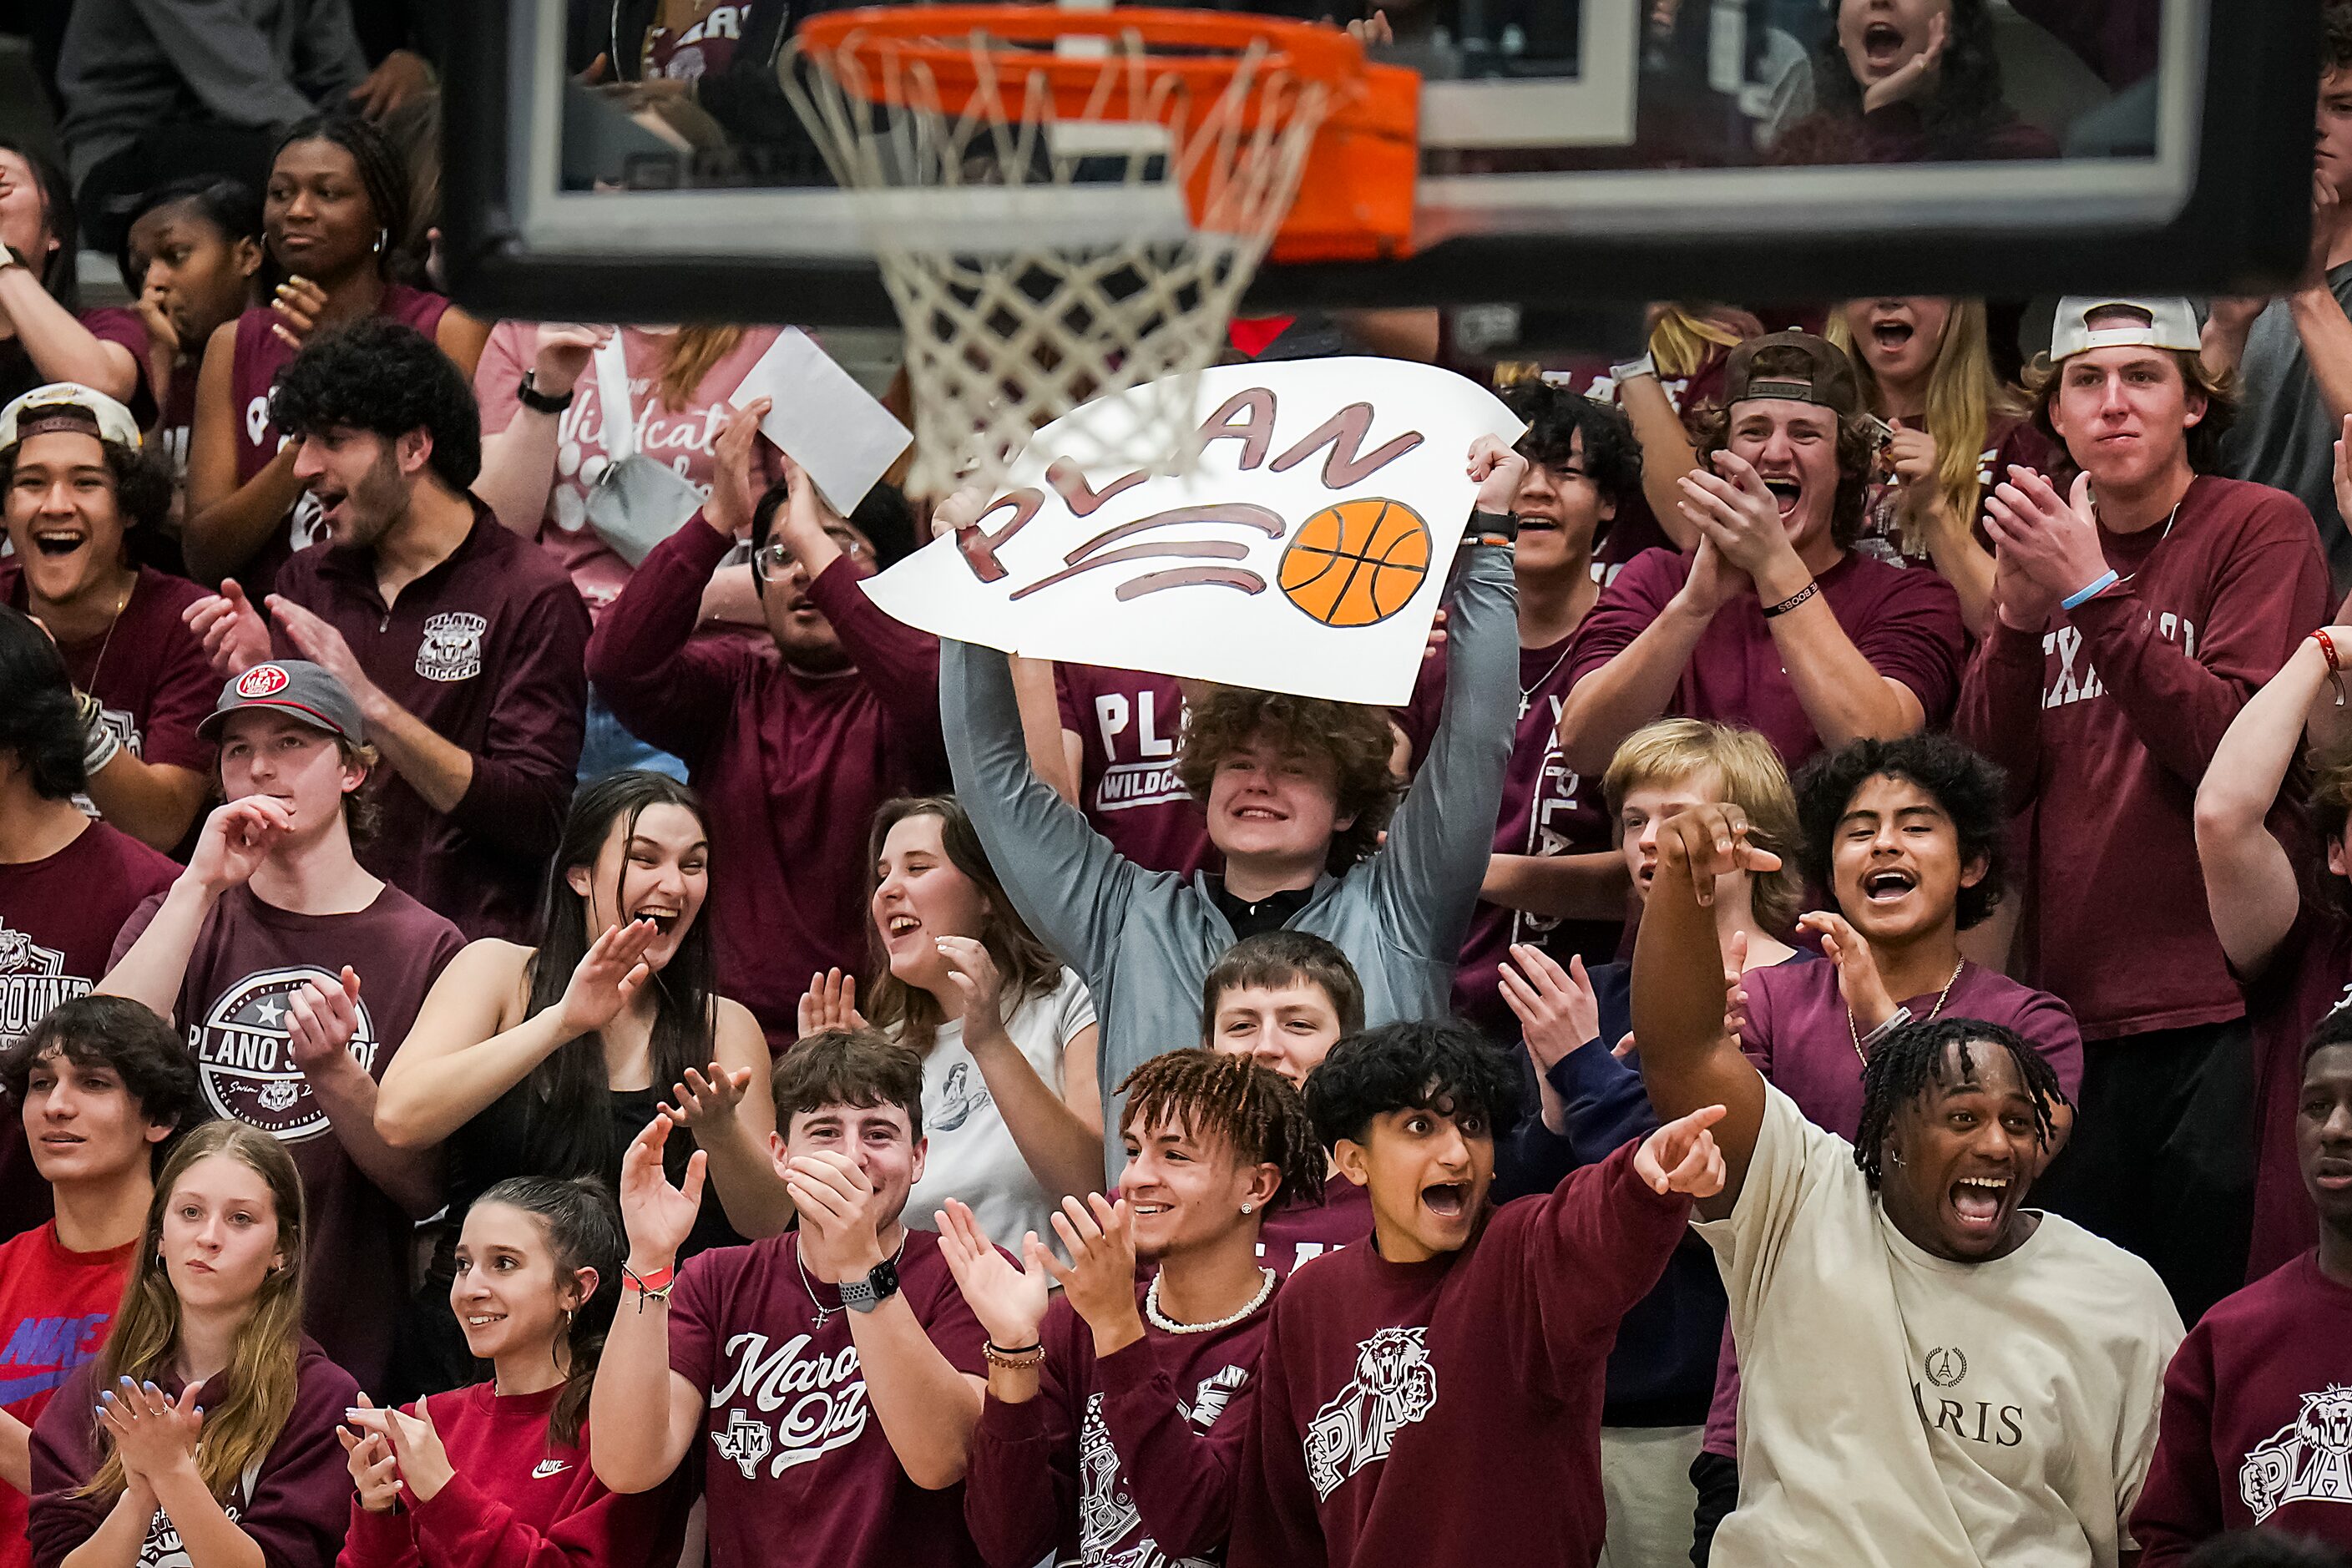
[(261, 355), (1906, 624), (1298, 1231), (59, 918), (148, 671), (798, 1472), (1126, 722), (1800, 1035), (487, 648), (2008, 439), (2104, 722), (793, 764), (294, 1506), (1548, 809), (1134, 1458), (1402, 1405), (249, 958), (2257, 1419), (2307, 978)]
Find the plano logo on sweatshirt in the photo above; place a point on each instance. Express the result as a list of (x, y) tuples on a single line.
[(1394, 1386), (452, 648), (817, 1404), (1110, 1526), (245, 1056), (2309, 1459)]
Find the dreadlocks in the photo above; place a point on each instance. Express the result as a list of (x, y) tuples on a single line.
[(1915, 1056), (1255, 1111)]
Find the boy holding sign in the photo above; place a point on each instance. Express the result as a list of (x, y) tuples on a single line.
[(1296, 824)]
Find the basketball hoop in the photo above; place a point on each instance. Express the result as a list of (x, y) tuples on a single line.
[(1069, 204)]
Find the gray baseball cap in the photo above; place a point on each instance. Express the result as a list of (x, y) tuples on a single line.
[(293, 686)]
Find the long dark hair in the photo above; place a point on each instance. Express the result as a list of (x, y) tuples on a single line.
[(567, 1106), (58, 269), (1966, 100), (584, 1231), (1027, 965)]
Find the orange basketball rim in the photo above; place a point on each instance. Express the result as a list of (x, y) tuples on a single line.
[(1356, 192)]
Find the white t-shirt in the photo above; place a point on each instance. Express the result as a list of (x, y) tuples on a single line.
[(973, 1156), (1899, 1410)]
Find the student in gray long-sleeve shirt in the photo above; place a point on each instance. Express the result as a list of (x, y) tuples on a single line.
[(1144, 940)]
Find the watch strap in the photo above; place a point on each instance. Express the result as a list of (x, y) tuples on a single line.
[(529, 395), (1493, 527)]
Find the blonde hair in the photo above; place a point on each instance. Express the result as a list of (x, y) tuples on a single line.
[(1753, 778), (1683, 341), (239, 1430), (689, 355), (1963, 395)]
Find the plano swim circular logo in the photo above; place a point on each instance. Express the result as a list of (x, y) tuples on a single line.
[(245, 1056)]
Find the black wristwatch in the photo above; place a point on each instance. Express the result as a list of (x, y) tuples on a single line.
[(877, 1287), (531, 397), (1493, 527)]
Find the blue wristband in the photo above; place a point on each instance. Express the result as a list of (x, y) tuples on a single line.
[(2091, 590)]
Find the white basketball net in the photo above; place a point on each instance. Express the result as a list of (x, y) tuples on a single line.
[(1040, 262)]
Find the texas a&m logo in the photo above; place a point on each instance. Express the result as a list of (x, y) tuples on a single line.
[(821, 1396), (2074, 678), (1394, 1386)]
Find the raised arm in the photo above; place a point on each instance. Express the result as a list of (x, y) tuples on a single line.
[(728, 1106), (1667, 452), (1021, 1482), (228, 520), (1067, 880), (1429, 875), (235, 839), (518, 442), (60, 346), (462, 1053), (2249, 883), (643, 1416), (1689, 1061)]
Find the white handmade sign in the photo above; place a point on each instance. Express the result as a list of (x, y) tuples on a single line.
[(1305, 551)]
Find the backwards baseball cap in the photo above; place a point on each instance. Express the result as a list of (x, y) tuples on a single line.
[(67, 405), (292, 686), (1809, 370), (2169, 324)]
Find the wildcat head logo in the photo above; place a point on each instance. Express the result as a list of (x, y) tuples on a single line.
[(2307, 1460), (1394, 1386), (744, 1443), (1947, 1367), (452, 649)]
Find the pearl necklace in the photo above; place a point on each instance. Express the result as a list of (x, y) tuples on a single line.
[(1168, 1325)]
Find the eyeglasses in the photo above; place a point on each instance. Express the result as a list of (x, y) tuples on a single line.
[(774, 559)]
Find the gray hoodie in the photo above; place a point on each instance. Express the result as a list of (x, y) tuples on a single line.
[(1145, 940), (127, 66)]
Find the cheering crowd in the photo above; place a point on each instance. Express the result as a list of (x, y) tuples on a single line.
[(1813, 1038)]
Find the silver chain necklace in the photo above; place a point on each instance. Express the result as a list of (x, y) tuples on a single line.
[(825, 1314), (1168, 1325)]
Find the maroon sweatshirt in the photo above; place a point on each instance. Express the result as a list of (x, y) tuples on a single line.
[(487, 649), (1131, 1459), (2308, 977), (793, 764), (2105, 721), (2257, 1420), (520, 1500), (295, 1507), (1401, 1406), (1298, 1231)]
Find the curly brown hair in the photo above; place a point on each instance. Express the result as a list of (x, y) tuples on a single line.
[(2334, 36), (1857, 445), (1357, 739)]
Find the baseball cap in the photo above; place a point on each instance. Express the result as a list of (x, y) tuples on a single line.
[(294, 686), (2171, 324), (67, 406), (1825, 376)]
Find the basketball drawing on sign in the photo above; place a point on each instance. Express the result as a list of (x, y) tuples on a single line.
[(1357, 563)]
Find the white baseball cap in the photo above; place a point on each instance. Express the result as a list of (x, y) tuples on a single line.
[(67, 406), (2171, 324)]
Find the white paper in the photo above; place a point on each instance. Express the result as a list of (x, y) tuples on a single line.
[(822, 419), (1225, 594)]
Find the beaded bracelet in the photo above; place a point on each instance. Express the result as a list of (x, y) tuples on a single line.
[(1012, 1361)]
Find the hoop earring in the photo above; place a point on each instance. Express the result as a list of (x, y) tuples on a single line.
[(382, 235)]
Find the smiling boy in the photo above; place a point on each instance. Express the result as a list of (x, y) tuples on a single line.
[(1985, 1376), (1460, 1328), (1773, 622)]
